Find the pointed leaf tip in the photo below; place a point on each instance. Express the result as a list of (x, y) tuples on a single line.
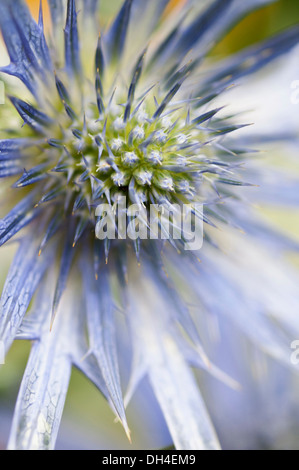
[(72, 47), (116, 36)]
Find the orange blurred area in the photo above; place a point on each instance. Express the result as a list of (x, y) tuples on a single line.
[(34, 7), (174, 4), (254, 28)]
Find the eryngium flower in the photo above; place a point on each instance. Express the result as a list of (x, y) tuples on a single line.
[(128, 112)]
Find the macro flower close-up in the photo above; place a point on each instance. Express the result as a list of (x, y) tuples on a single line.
[(146, 190)]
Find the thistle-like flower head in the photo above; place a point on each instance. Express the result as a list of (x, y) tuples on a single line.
[(97, 113)]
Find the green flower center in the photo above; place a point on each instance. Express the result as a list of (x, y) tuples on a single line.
[(142, 158)]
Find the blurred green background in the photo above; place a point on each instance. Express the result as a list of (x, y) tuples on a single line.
[(260, 25), (85, 408), (255, 27)]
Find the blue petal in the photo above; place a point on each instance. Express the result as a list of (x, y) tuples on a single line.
[(57, 12), (139, 9), (23, 278), (225, 291), (41, 398), (91, 7), (145, 17), (116, 37), (8, 168), (211, 25), (101, 329), (65, 267), (32, 176), (25, 42), (206, 21), (72, 48), (132, 89), (13, 146), (180, 399), (32, 116), (252, 59), (157, 354), (38, 414), (45, 383), (21, 215)]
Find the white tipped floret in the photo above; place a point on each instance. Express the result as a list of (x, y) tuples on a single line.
[(161, 137), (166, 183), (181, 161), (103, 167), (138, 133), (130, 158), (79, 145), (142, 116), (181, 139), (141, 197), (119, 124), (183, 187), (166, 122), (117, 144), (155, 157), (94, 127), (119, 178), (114, 109), (144, 177)]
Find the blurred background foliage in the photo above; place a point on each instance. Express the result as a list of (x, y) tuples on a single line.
[(255, 27), (85, 408)]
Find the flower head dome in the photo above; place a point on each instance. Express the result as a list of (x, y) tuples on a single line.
[(97, 113)]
